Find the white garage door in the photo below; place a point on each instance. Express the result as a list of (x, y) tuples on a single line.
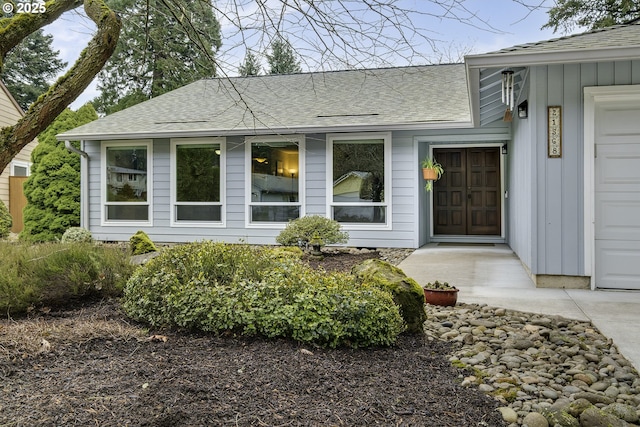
[(617, 195)]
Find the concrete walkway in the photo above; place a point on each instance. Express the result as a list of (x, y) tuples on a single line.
[(494, 275)]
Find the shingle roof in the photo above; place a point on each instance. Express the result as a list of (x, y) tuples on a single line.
[(609, 37), (327, 101), (612, 43)]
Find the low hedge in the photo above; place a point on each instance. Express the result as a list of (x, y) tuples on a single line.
[(258, 291), (55, 274)]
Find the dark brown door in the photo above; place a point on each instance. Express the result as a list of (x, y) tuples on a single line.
[(467, 197)]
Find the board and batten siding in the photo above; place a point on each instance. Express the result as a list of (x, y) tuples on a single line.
[(402, 207), (558, 187)]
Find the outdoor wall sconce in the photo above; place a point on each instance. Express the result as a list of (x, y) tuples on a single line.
[(505, 149), (523, 110)]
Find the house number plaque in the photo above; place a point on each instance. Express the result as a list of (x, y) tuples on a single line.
[(554, 126)]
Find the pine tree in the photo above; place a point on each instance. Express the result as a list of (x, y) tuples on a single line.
[(250, 66), (30, 66), (53, 189), (162, 46), (283, 59), (593, 14)]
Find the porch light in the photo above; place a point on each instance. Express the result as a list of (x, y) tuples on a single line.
[(523, 110)]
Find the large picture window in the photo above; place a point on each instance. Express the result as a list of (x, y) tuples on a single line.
[(359, 173), (275, 183), (127, 184), (196, 179)]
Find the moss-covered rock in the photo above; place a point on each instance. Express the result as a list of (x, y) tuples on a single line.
[(141, 244), (406, 292), (597, 417)]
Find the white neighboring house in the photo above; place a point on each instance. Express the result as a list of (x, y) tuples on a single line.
[(118, 177)]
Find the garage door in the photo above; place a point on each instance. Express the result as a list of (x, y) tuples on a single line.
[(617, 195)]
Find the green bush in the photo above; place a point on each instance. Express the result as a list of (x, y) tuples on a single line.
[(256, 291), (5, 221), (141, 244), (303, 230), (76, 235), (56, 274), (53, 188)]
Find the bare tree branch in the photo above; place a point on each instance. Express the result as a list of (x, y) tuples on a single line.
[(68, 87)]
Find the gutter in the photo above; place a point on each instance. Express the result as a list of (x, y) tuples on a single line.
[(438, 125), (84, 182)]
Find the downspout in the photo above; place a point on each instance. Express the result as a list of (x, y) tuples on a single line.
[(84, 183)]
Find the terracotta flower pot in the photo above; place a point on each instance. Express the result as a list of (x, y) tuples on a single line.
[(429, 174), (443, 297)]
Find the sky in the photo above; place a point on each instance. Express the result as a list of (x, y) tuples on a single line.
[(494, 24)]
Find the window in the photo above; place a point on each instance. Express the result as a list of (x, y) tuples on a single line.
[(274, 181), (197, 181), (126, 181), (20, 168), (359, 177)]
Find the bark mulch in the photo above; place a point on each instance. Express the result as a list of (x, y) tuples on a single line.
[(93, 366)]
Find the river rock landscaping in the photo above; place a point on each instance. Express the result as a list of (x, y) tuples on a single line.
[(545, 370)]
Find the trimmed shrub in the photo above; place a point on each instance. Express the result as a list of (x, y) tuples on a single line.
[(256, 291), (76, 235), (407, 293), (53, 189), (303, 230), (141, 244), (56, 274), (5, 221)]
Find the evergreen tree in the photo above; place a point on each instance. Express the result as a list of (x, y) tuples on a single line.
[(250, 66), (30, 66), (283, 59), (162, 46), (593, 14), (53, 189)]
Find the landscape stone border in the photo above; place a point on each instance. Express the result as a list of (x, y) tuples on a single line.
[(546, 370)]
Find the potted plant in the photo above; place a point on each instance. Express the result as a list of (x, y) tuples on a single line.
[(440, 293), (431, 171)]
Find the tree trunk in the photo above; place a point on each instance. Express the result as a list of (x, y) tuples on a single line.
[(68, 87)]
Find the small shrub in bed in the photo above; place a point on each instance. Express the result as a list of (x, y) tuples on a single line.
[(256, 291), (5, 221), (54, 274), (76, 235), (305, 228)]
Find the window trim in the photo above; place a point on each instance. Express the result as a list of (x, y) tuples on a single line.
[(297, 139), (104, 221), (172, 183), (19, 163), (386, 138)]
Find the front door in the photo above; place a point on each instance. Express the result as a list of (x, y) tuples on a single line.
[(467, 197)]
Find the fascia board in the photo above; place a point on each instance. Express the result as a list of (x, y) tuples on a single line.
[(524, 59), (269, 131)]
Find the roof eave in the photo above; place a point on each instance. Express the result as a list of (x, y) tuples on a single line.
[(523, 58), (67, 136)]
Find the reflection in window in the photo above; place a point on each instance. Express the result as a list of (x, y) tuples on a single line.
[(126, 179), (275, 172), (197, 182), (358, 181)]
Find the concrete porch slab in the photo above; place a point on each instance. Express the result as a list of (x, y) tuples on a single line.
[(494, 275)]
